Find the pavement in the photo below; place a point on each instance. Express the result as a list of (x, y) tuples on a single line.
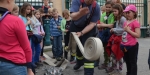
[(143, 68)]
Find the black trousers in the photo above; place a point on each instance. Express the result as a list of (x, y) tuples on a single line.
[(130, 58)]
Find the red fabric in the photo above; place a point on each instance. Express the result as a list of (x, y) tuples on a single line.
[(114, 46), (98, 22), (14, 43)]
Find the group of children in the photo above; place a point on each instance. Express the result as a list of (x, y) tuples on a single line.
[(33, 19), (118, 30)]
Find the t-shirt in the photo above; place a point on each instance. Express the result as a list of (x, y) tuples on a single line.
[(128, 39), (75, 8), (67, 26)]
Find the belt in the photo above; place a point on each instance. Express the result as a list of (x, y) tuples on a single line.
[(92, 49)]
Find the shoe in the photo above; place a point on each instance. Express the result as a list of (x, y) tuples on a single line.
[(72, 62), (101, 67), (114, 72), (77, 66), (58, 59), (79, 63), (72, 58), (109, 69), (53, 57)]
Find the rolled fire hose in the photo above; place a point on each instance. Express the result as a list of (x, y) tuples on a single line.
[(92, 47)]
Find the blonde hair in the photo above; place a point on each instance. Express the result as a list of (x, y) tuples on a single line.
[(50, 9), (54, 10), (15, 7), (65, 12)]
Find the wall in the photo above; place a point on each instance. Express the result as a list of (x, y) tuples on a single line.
[(59, 5)]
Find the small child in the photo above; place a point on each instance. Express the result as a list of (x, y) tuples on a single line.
[(129, 44), (15, 10), (106, 23), (113, 46), (37, 30), (56, 35), (65, 27), (50, 12)]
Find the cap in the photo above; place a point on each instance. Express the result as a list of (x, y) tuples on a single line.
[(130, 8)]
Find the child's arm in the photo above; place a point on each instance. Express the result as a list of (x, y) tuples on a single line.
[(137, 32), (62, 26), (34, 23), (102, 25), (120, 29)]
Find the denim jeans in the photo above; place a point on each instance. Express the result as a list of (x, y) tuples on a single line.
[(130, 58), (36, 51), (57, 46), (12, 69)]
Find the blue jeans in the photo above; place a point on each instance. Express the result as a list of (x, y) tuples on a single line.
[(57, 46), (12, 69), (36, 51)]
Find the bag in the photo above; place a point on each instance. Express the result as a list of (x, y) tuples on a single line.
[(37, 38), (29, 33)]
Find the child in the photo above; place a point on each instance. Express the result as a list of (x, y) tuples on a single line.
[(113, 46), (37, 30), (45, 8), (65, 26), (56, 35), (15, 51), (129, 43), (15, 10), (107, 21), (25, 15), (50, 13)]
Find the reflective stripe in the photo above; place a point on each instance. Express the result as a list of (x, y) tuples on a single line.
[(88, 65), (66, 48), (80, 58), (73, 54)]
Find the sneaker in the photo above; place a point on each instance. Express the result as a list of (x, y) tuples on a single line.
[(58, 59), (114, 72), (109, 69), (101, 67)]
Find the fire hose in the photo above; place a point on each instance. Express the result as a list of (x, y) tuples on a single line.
[(92, 49)]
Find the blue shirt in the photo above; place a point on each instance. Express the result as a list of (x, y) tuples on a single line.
[(75, 8), (54, 31), (25, 21)]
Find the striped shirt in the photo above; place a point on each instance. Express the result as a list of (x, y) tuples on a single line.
[(54, 31)]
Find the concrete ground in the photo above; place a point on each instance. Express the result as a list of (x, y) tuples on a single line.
[(143, 68)]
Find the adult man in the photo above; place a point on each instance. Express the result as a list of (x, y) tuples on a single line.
[(85, 28)]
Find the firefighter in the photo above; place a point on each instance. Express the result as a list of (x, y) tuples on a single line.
[(84, 14)]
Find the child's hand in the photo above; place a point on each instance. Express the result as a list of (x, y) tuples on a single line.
[(51, 38), (58, 27), (66, 30), (28, 22), (127, 28), (111, 30), (28, 18)]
